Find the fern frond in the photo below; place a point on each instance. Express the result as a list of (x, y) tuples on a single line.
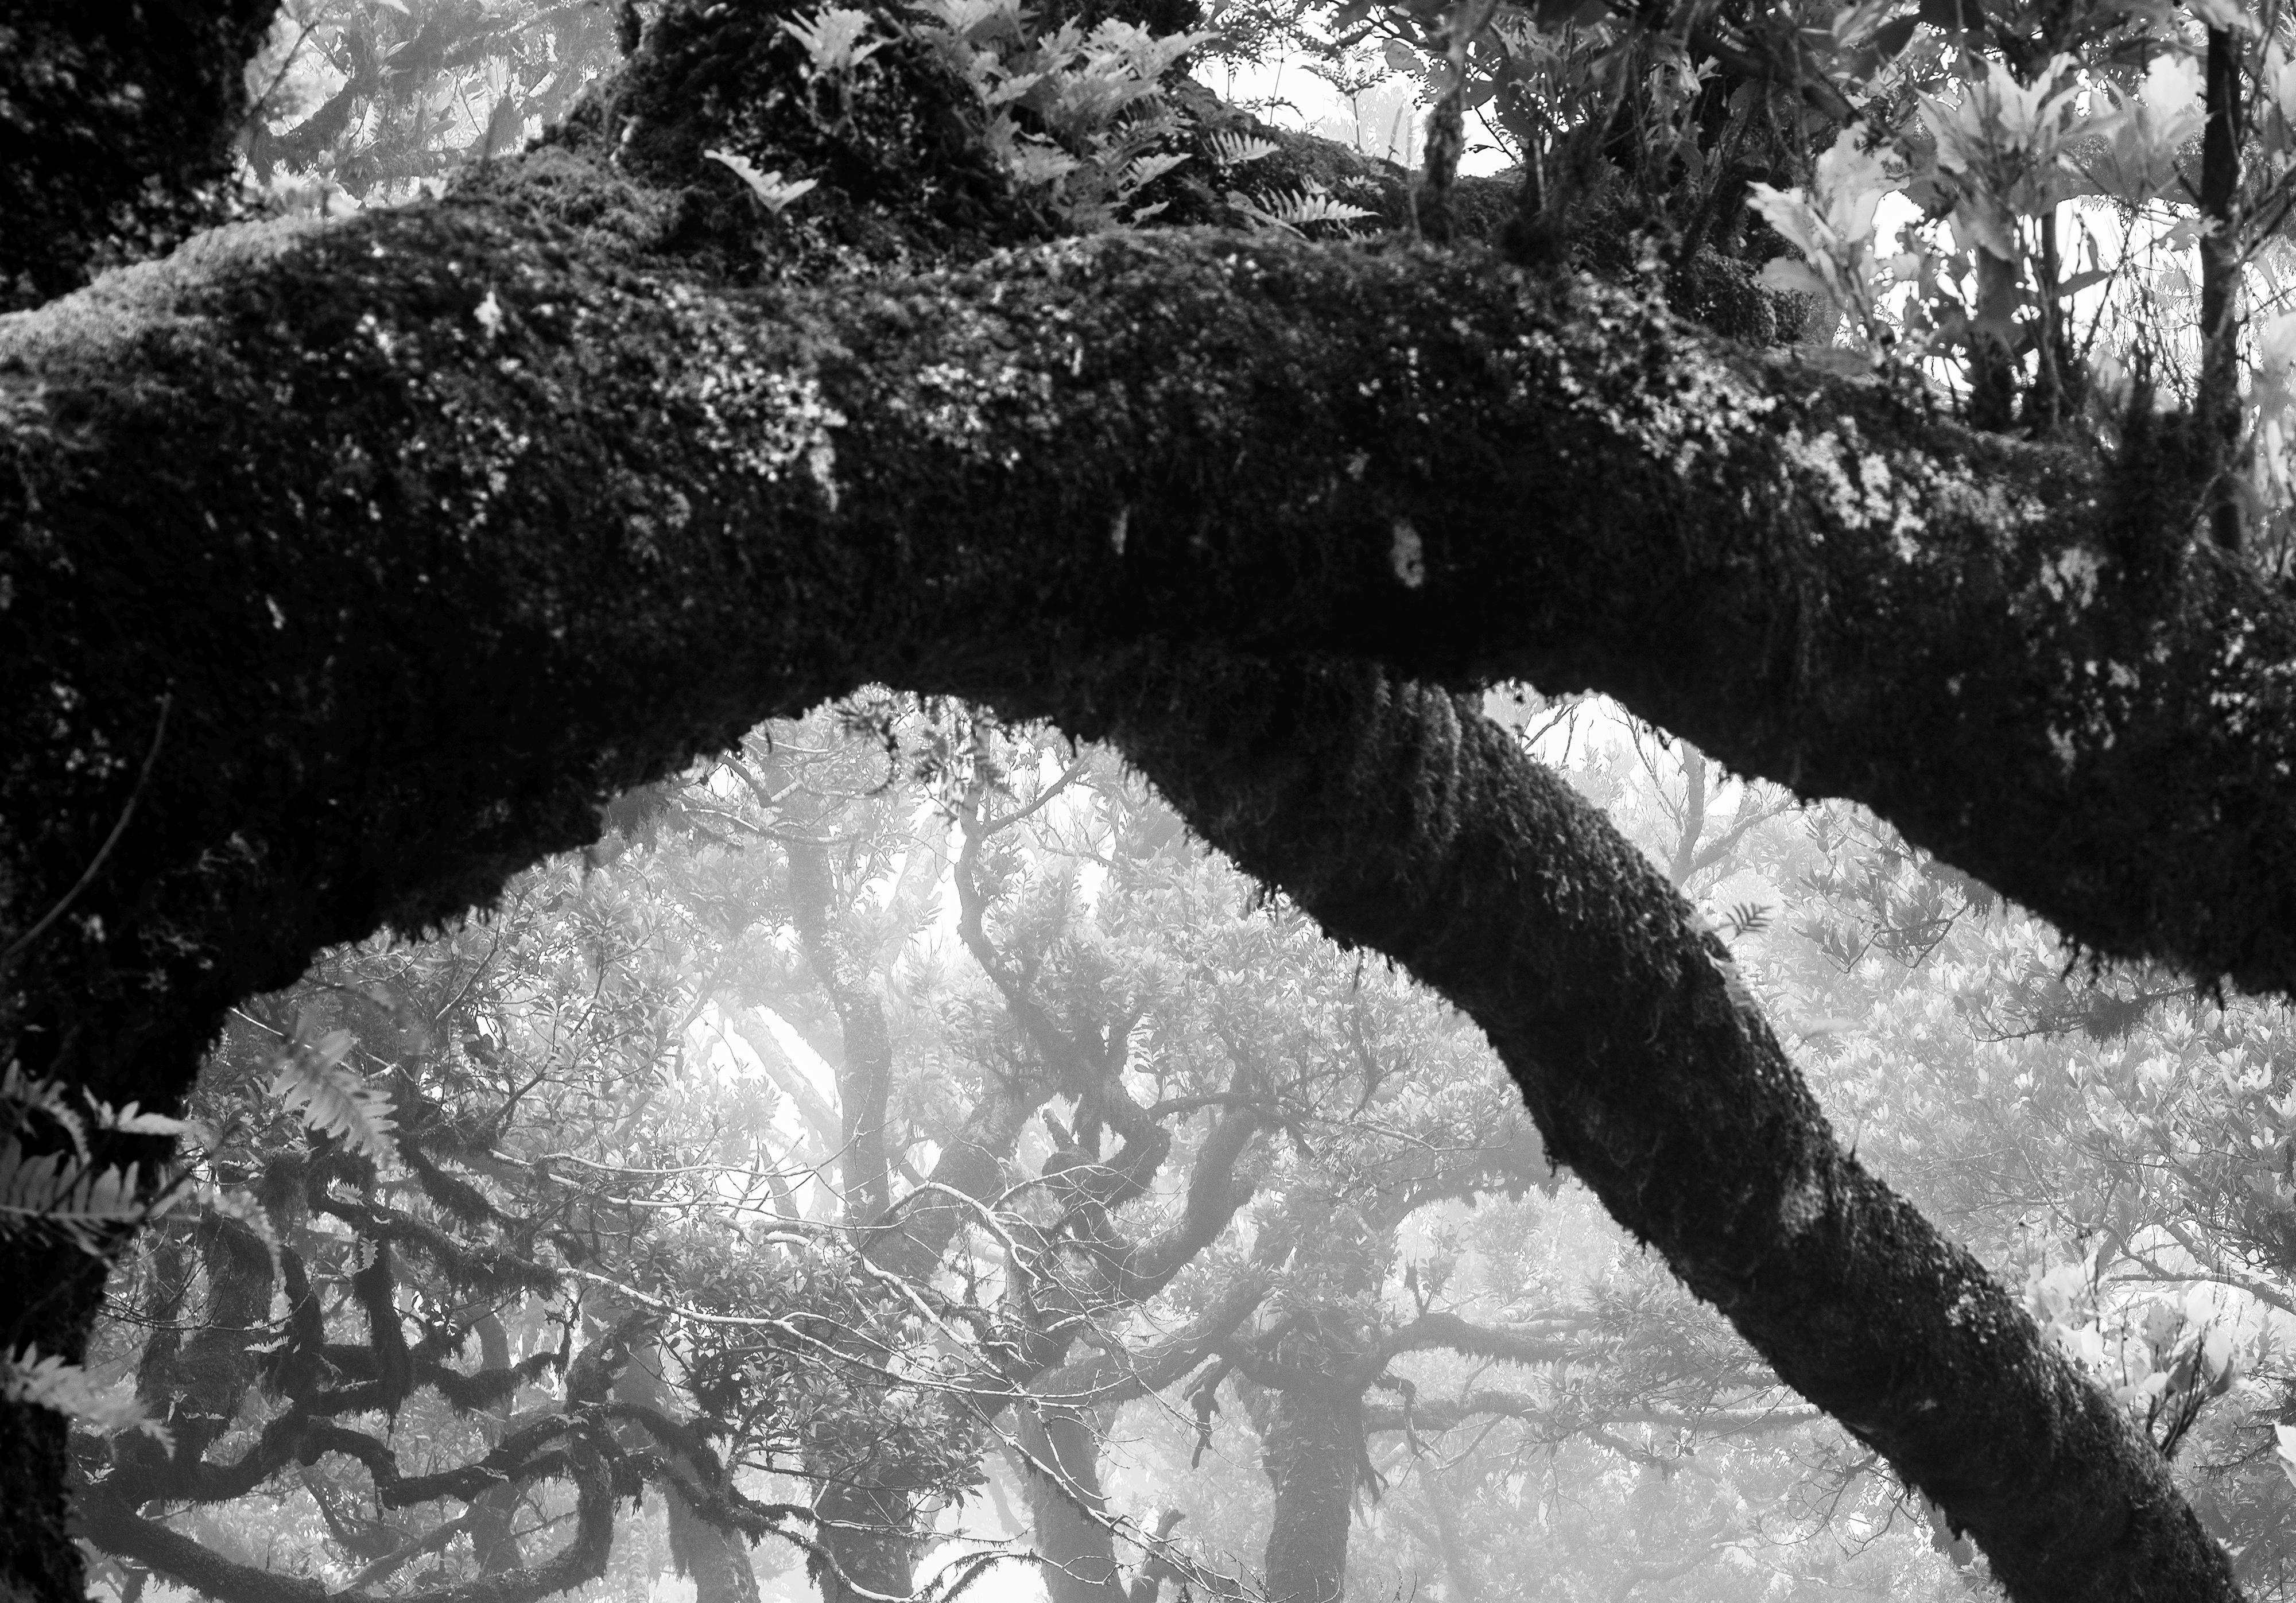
[(314, 1082), (1142, 171), (1295, 209), (1231, 149), (772, 190), (43, 1096), (132, 1120), (1126, 46), (57, 1192), (837, 38), (50, 1381), (1032, 163)]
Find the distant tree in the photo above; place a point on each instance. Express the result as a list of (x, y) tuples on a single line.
[(505, 1137), (523, 1139), (381, 1295), (381, 101)]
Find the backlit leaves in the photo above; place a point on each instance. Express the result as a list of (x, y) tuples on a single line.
[(332, 1099)]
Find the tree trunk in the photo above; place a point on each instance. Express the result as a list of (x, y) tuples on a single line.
[(1312, 1447), (718, 1560), (868, 1543), (1066, 1505), (1458, 1563), (37, 1560), (492, 1542), (865, 1064)]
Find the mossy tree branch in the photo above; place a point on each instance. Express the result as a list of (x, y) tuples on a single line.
[(116, 123), (1394, 814), (474, 491), (435, 528)]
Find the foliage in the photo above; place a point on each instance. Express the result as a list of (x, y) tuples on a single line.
[(48, 1380), (62, 1190), (365, 100), (332, 1099)]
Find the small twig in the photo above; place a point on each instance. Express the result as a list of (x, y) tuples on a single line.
[(23, 942), (399, 1558), (257, 107)]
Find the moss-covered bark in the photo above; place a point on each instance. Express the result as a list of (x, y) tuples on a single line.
[(1402, 818), (431, 530), (453, 422), (1311, 1446), (110, 1518), (1430, 460), (115, 119), (391, 548), (1067, 1507)]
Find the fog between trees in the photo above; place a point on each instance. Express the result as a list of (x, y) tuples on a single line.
[(961, 1178)]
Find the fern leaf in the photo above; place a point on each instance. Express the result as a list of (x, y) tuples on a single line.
[(1231, 149), (1033, 163), (1144, 170), (836, 38), (772, 190), (132, 1120), (1296, 209), (50, 1381), (332, 1099), (56, 1192), (45, 1096)]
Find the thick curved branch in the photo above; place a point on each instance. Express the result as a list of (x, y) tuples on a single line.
[(144, 1474), (865, 1069), (1113, 1377), (496, 479), (112, 1523), (1541, 1343), (1216, 1194), (115, 1526), (462, 1262), (1186, 436), (909, 1238), (1434, 1416), (1395, 815)]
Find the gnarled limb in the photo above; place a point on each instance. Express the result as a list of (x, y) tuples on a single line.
[(113, 1523), (1395, 814)]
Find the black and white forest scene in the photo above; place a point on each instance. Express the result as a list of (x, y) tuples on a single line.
[(1147, 801)]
